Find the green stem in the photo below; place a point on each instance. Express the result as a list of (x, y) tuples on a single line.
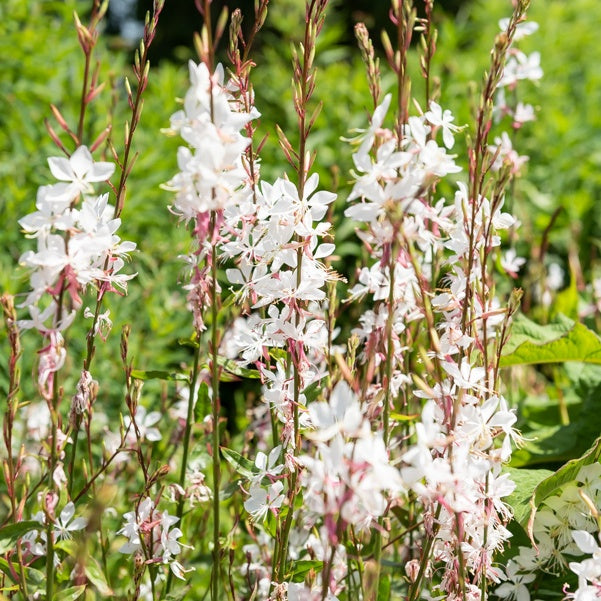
[(187, 436), (216, 412)]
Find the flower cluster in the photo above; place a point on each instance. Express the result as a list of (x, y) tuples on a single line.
[(349, 480), (212, 175), (466, 428), (151, 534), (77, 247), (563, 527)]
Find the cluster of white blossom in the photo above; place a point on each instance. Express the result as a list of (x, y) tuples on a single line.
[(212, 176), (563, 527), (466, 427), (278, 251), (151, 535), (77, 246), (519, 67)]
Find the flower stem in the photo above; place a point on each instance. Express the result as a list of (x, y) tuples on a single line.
[(216, 411)]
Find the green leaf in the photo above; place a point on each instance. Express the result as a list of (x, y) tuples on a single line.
[(96, 577), (400, 417), (531, 343), (69, 546), (384, 587), (564, 475), (278, 354), (178, 595), (9, 535), (237, 370), (312, 391), (242, 465), (271, 521), (201, 409), (188, 342), (71, 593), (157, 374), (519, 500), (302, 567), (230, 490), (33, 577), (566, 301), (550, 442)]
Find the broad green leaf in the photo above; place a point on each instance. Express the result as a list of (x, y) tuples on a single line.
[(96, 577), (566, 301), (551, 442), (564, 475), (9, 535), (71, 593), (242, 465), (33, 577), (157, 374), (519, 500), (302, 567), (531, 343)]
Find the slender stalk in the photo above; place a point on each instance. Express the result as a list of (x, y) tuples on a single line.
[(216, 411), (186, 442)]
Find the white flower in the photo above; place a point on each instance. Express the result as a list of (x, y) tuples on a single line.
[(145, 423), (444, 120), (65, 525), (79, 170), (262, 500)]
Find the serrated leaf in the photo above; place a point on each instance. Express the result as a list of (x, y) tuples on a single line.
[(71, 593), (9, 535), (158, 374), (97, 578), (565, 340), (302, 567), (241, 464), (519, 500)]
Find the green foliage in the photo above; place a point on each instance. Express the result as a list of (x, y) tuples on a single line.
[(520, 501), (563, 341)]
